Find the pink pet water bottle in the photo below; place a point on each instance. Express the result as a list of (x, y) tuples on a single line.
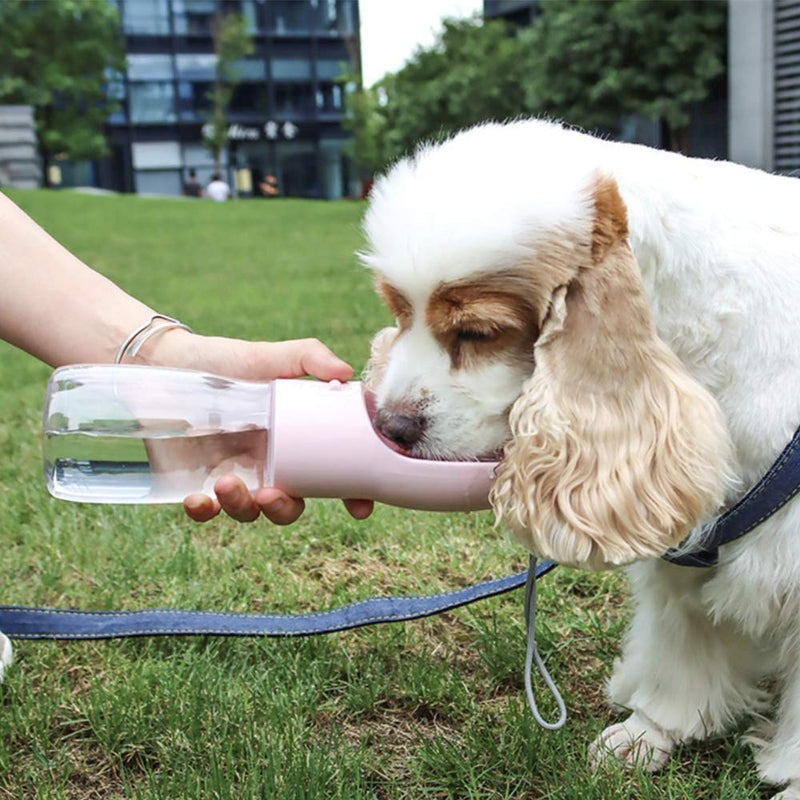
[(133, 434)]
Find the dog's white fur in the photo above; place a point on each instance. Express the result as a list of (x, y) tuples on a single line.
[(718, 252), (6, 655)]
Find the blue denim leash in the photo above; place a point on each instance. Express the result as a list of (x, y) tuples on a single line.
[(780, 484), (25, 622)]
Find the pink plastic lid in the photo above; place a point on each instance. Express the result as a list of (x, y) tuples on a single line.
[(323, 445)]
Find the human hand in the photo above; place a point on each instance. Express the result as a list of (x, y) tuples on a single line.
[(257, 361)]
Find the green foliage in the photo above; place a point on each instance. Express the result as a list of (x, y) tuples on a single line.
[(57, 56), (232, 42), (367, 125), (590, 62), (474, 72), (587, 62)]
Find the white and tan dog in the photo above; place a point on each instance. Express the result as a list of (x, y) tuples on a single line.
[(625, 323)]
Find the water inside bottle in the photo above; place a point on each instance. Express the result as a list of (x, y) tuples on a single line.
[(94, 468), (114, 435)]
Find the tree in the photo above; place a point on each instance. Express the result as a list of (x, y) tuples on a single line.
[(474, 72), (58, 57), (231, 43), (591, 61), (364, 120)]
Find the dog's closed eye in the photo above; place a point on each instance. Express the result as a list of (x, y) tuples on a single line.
[(478, 335)]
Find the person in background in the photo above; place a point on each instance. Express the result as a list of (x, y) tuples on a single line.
[(269, 186), (191, 186), (218, 190)]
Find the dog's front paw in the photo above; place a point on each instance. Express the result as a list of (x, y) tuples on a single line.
[(5, 654), (635, 743)]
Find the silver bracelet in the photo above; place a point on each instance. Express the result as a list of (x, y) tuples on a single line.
[(134, 342)]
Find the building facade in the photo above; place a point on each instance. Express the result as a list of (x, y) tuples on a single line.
[(19, 160), (764, 43), (519, 12), (285, 117)]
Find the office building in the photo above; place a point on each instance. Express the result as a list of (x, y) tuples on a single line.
[(285, 117)]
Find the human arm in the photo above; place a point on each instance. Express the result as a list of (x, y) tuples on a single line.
[(56, 308)]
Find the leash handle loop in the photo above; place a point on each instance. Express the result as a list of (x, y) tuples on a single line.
[(532, 657)]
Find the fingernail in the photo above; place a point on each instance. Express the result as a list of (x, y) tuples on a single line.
[(277, 505)]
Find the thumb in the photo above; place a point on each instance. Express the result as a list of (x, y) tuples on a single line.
[(298, 357)]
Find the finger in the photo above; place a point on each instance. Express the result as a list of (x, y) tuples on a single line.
[(299, 357), (319, 361), (235, 499), (201, 507), (279, 507), (359, 509)]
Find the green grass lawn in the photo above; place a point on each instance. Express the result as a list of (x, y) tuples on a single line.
[(433, 708)]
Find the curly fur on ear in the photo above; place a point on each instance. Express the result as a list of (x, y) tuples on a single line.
[(617, 452), (378, 356)]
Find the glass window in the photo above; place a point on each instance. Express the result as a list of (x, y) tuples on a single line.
[(329, 97), (292, 98), (152, 102), (196, 66), (197, 155), (250, 69), (150, 67), (248, 98), (250, 14), (345, 17), (115, 84), (332, 168), (149, 17), (329, 69), (194, 99), (150, 155), (297, 169), (161, 181), (334, 17), (115, 89), (287, 69), (292, 16), (193, 17)]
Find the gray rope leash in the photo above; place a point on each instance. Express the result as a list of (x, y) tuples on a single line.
[(532, 655)]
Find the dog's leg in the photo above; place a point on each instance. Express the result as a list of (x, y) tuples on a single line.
[(683, 675), (5, 654), (778, 758)]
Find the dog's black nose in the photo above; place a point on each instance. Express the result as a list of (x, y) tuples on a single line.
[(403, 429)]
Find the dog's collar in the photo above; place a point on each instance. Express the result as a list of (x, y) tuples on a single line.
[(772, 492)]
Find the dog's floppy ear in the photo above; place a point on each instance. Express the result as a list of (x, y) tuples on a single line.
[(378, 356), (617, 452)]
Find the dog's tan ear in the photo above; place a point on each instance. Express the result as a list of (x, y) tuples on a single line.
[(616, 451), (378, 356)]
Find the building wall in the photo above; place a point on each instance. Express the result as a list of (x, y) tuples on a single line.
[(19, 161), (286, 113), (750, 82), (786, 112), (520, 12)]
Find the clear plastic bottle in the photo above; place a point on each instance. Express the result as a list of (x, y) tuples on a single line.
[(135, 434), (131, 434)]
